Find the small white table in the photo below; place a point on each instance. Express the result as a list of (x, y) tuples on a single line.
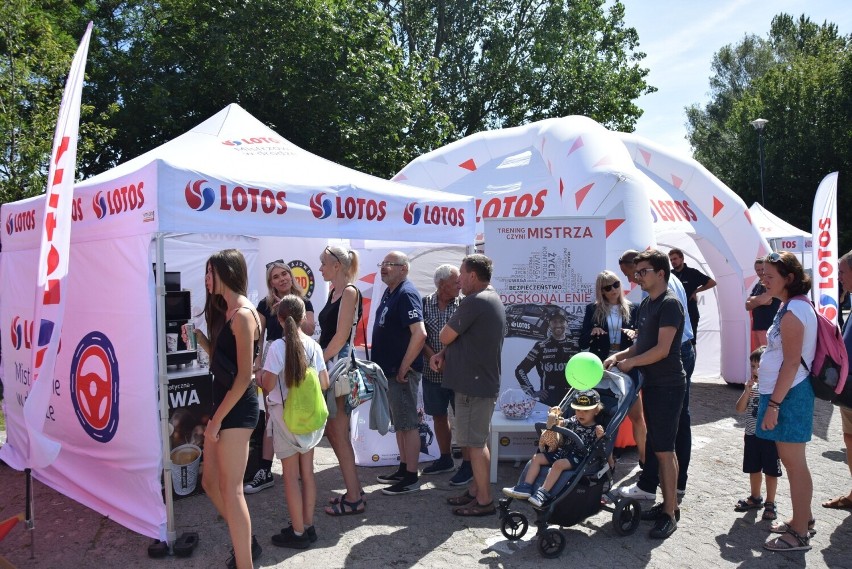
[(500, 424)]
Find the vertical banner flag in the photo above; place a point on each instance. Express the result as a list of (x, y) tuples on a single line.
[(824, 230), (53, 261)]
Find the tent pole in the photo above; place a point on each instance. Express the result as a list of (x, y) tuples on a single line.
[(160, 292)]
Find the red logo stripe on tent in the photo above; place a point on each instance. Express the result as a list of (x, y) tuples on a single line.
[(646, 156), (468, 165), (717, 206), (612, 225), (677, 182), (577, 144), (580, 194)]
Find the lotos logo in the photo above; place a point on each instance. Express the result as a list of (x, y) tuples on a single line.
[(433, 215), (348, 207), (302, 276), (825, 270), (252, 140), (320, 207), (23, 221), (828, 307), (672, 210), (525, 205), (197, 197), (94, 386), (119, 200), (22, 333)]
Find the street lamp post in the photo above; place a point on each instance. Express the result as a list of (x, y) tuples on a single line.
[(758, 125)]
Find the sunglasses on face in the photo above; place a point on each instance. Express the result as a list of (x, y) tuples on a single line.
[(277, 262), (390, 264), (640, 274), (616, 285)]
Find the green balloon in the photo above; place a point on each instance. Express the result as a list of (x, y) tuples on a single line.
[(584, 371)]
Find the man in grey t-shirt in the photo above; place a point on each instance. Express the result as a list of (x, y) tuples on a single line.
[(470, 362)]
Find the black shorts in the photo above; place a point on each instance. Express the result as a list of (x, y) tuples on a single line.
[(245, 414), (760, 455), (662, 406)]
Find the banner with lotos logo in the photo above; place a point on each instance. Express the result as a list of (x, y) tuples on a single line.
[(102, 404), (824, 230)]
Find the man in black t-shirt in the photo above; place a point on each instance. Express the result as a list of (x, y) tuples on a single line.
[(656, 353), (694, 282), (548, 357), (762, 306)]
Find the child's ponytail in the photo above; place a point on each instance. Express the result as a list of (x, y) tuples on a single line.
[(291, 312)]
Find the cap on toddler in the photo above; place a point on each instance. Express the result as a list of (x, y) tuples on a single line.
[(586, 400)]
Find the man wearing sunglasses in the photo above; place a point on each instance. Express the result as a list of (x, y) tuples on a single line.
[(656, 352)]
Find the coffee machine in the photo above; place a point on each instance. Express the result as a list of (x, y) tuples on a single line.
[(178, 313)]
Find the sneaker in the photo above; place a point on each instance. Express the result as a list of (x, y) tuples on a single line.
[(633, 491), (310, 531), (656, 512), (256, 550), (521, 491), (404, 486), (540, 498), (463, 475), (392, 478), (288, 538), (261, 481), (440, 467), (664, 527)]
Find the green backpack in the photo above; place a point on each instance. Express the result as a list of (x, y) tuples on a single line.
[(304, 409)]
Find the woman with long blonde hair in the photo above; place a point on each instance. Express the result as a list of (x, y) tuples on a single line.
[(337, 319)]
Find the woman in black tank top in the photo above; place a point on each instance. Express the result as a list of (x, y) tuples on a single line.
[(339, 267), (234, 334)]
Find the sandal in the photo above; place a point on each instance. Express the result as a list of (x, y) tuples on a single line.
[(750, 503), (770, 512), (336, 499), (462, 500), (801, 542), (782, 527), (475, 509), (841, 502), (345, 508)]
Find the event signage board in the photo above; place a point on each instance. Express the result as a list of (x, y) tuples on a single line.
[(543, 267)]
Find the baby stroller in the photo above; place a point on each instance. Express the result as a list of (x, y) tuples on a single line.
[(578, 492)]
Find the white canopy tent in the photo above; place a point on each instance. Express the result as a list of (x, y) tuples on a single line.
[(573, 166), (783, 236), (227, 178)]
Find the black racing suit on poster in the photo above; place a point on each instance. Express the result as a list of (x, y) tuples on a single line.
[(548, 357)]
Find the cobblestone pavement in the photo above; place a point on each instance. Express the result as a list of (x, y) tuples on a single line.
[(418, 530)]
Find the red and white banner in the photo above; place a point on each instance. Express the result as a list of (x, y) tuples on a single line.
[(53, 261), (824, 230)]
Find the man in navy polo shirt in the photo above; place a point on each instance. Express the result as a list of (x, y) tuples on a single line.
[(398, 338)]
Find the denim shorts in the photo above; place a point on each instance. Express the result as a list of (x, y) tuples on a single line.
[(795, 418), (436, 399), (402, 400)]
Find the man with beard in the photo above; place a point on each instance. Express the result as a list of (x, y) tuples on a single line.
[(548, 357)]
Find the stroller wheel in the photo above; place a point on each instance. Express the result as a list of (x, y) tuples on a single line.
[(626, 517), (514, 526), (551, 543)]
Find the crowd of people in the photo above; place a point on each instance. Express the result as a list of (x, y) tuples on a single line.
[(429, 341)]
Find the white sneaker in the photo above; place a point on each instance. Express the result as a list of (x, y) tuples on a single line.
[(633, 491)]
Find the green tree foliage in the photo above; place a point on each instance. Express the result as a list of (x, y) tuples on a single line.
[(367, 84), (800, 80), (508, 62)]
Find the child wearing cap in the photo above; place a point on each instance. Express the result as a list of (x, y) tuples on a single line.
[(586, 405)]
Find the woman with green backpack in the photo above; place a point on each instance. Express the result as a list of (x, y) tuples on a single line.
[(294, 375)]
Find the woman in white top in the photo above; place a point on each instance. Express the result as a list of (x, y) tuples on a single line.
[(786, 408), (286, 363)]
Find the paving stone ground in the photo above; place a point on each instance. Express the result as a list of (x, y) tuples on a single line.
[(418, 530)]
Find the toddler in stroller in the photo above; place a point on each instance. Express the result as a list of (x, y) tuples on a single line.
[(575, 494), (587, 405)]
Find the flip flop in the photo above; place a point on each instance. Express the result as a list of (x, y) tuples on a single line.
[(476, 510), (345, 508), (462, 500), (839, 503)]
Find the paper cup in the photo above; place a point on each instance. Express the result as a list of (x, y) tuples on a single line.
[(171, 342), (185, 461)]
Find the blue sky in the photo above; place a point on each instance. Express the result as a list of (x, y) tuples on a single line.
[(680, 38)]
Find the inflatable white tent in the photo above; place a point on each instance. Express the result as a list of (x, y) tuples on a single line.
[(573, 166), (782, 236), (229, 177)]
